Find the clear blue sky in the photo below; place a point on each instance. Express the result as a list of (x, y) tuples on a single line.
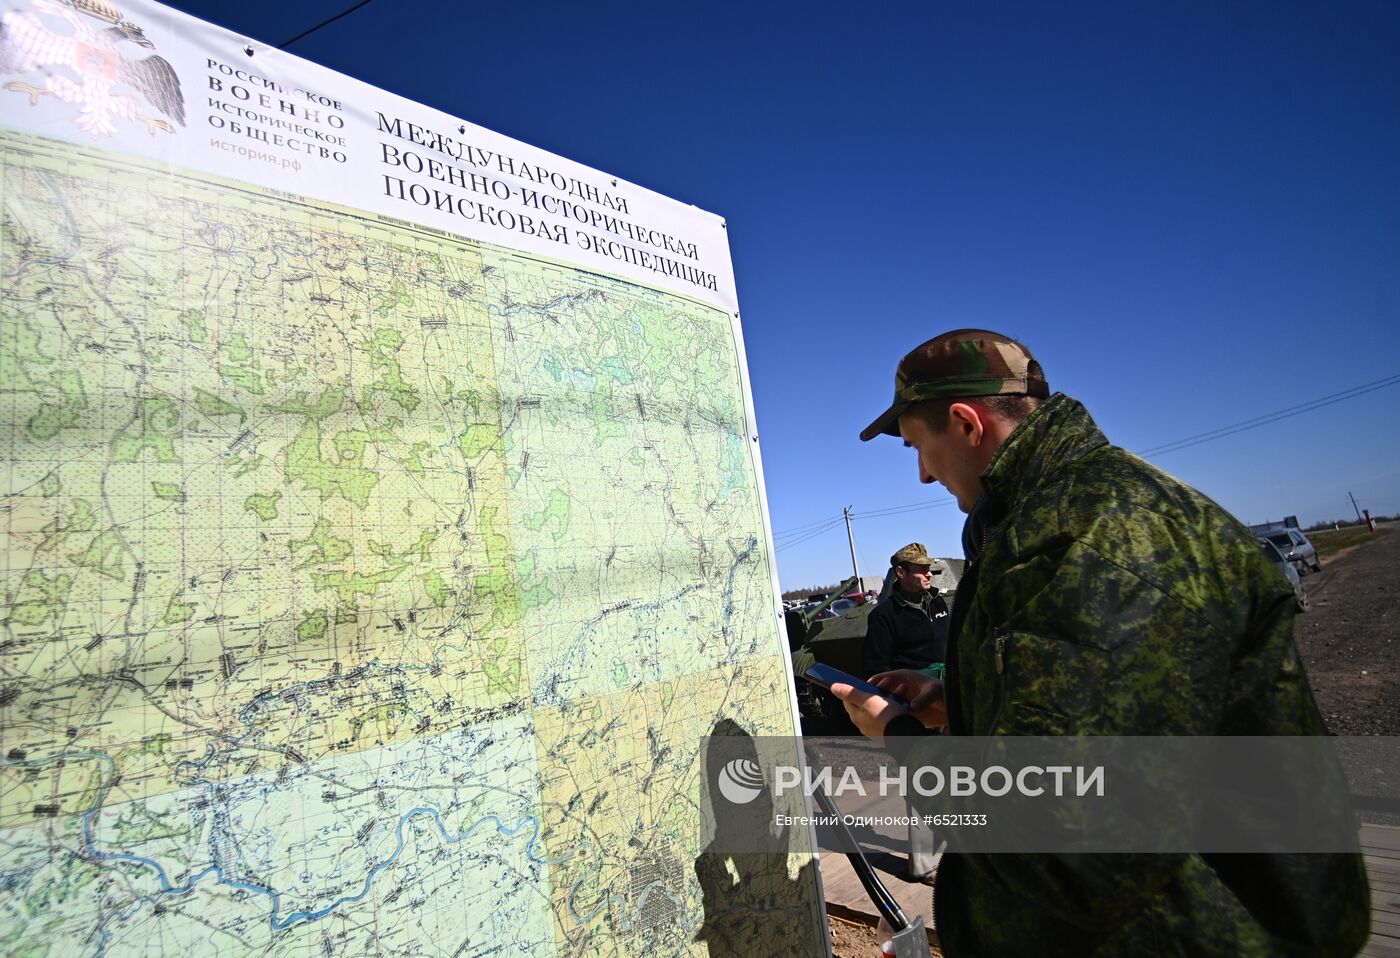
[(1189, 211)]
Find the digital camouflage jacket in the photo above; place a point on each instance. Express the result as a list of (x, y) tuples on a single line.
[(1111, 599)]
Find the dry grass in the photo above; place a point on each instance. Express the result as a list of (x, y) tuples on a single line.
[(1330, 543)]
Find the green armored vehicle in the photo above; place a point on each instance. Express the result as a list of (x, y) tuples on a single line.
[(838, 640)]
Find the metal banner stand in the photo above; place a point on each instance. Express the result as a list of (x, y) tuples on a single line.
[(909, 939)]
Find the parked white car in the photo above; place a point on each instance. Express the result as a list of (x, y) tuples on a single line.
[(1295, 548), (1289, 572)]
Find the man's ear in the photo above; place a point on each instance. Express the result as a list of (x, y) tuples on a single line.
[(967, 421)]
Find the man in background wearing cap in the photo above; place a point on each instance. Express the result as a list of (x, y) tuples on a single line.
[(1102, 597), (909, 630)]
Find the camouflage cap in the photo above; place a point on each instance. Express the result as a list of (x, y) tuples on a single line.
[(914, 554), (962, 364)]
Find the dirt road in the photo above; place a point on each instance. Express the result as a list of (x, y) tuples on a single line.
[(1350, 640)]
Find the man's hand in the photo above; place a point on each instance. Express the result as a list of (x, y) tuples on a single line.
[(923, 692), (871, 713)]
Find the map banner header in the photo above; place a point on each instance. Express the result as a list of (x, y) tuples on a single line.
[(154, 82)]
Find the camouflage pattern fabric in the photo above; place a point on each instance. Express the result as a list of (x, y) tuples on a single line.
[(914, 554), (1111, 599)]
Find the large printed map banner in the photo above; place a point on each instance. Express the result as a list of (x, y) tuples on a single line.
[(383, 524)]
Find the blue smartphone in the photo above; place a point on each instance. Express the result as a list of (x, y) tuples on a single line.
[(826, 677)]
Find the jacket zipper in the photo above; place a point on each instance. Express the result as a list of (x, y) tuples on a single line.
[(954, 629), (999, 662)]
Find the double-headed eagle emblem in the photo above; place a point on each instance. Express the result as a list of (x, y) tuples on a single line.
[(93, 52)]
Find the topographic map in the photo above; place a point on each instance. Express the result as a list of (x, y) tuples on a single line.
[(366, 590)]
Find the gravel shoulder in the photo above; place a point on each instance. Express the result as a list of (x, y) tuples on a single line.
[(1350, 640)]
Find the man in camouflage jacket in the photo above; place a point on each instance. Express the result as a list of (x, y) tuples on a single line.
[(1103, 597)]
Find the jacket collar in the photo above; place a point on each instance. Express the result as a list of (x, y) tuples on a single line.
[(974, 531), (920, 602), (1056, 434)]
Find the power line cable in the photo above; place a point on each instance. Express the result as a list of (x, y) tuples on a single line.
[(798, 531), (778, 546), (788, 545), (907, 505), (873, 514), (324, 23), (1272, 417), (810, 530), (804, 527), (900, 510), (802, 539), (804, 536)]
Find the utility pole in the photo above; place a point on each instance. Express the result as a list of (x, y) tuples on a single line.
[(851, 538), (1349, 495)]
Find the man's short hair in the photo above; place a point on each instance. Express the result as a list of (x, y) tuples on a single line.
[(1010, 409)]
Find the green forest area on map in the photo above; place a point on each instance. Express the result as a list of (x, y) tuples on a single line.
[(364, 586)]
